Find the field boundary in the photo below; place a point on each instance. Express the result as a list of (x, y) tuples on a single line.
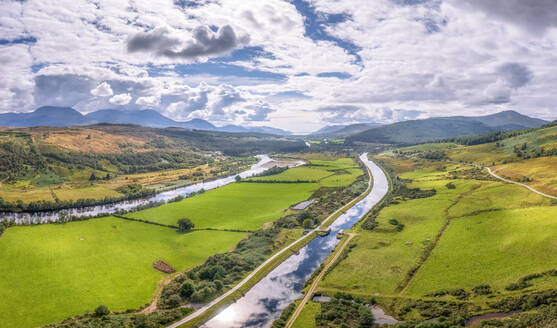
[(429, 249)]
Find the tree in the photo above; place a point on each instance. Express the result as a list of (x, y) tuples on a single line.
[(187, 289), (92, 177), (101, 311), (185, 225), (238, 178)]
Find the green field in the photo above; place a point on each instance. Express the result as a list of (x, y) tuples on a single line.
[(51, 272), (495, 234), (306, 319), (328, 173), (497, 248), (245, 206)]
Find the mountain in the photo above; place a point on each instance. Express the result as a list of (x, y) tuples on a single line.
[(257, 129), (44, 116), (66, 116), (435, 128), (344, 130), (416, 131), (506, 120), (149, 118)]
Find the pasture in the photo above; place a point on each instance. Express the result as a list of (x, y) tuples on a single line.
[(327, 172), (243, 206), (488, 232), (53, 271), (497, 248)]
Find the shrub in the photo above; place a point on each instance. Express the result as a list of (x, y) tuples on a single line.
[(101, 311), (185, 225)]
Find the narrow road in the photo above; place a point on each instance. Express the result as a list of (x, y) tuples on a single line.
[(520, 184), (311, 290), (269, 260)]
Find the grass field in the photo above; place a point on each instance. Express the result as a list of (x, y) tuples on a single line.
[(50, 272), (246, 206), (496, 248), (495, 233), (327, 172), (306, 319), (542, 171)]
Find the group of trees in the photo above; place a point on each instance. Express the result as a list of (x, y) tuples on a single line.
[(219, 271), (344, 311)]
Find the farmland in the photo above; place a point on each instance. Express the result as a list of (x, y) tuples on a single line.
[(244, 206), (102, 261), (472, 231), (109, 260), (327, 173)]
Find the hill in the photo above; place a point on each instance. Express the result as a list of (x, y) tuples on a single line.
[(506, 120), (344, 130), (417, 131), (66, 116)]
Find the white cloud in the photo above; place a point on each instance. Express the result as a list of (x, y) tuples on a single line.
[(121, 99), (102, 90), (439, 57)]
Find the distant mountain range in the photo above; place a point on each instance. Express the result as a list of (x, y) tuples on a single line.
[(344, 130), (66, 116), (416, 131)]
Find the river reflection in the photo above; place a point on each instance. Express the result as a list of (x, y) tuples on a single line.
[(263, 303), (53, 216)]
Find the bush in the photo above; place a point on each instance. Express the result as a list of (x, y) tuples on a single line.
[(185, 225), (101, 311), (482, 289), (187, 289), (450, 185)]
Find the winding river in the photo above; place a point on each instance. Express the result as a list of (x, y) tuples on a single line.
[(264, 302), (54, 216)]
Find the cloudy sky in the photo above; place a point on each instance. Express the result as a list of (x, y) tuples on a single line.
[(294, 64)]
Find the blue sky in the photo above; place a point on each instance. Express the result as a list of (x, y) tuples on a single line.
[(297, 64)]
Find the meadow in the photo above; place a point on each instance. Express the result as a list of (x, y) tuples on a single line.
[(109, 260), (53, 271), (327, 172), (306, 319), (540, 173), (477, 231), (243, 206)]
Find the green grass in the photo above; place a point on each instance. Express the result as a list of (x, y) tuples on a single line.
[(51, 272), (496, 248), (245, 206), (304, 173), (306, 319), (384, 256), (329, 173)]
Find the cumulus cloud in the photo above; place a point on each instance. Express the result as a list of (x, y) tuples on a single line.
[(102, 90), (536, 16), (355, 114), (515, 74), (203, 43), (148, 101), (121, 99)]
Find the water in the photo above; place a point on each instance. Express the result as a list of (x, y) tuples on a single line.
[(54, 216), (263, 304)]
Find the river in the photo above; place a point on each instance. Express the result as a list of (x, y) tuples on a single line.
[(264, 302), (54, 216)]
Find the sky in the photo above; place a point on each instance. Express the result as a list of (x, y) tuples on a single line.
[(296, 65)]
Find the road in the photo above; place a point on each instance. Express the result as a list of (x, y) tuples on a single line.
[(268, 261), (311, 290), (520, 184)]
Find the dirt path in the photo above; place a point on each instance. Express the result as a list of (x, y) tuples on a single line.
[(311, 290), (520, 184), (152, 307)]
